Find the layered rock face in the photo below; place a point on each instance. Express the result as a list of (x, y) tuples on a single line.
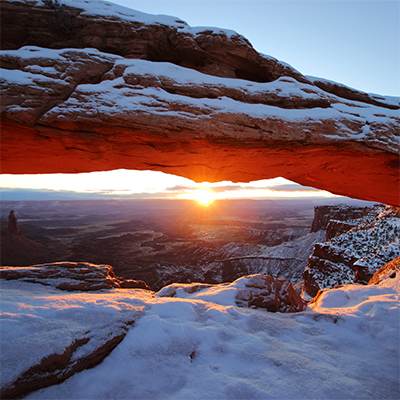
[(354, 256), (154, 93), (71, 276), (134, 34), (324, 215)]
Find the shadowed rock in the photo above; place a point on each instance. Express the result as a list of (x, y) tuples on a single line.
[(12, 223)]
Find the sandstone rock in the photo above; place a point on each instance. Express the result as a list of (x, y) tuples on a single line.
[(275, 295), (48, 335), (133, 284), (336, 228), (389, 270), (221, 111), (354, 256), (353, 94), (254, 291), (56, 368), (323, 215), (12, 223), (134, 34), (71, 276)]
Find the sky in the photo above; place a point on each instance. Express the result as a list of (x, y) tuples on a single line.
[(355, 42), (144, 184)]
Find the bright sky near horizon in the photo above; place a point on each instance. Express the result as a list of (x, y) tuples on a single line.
[(151, 184), (351, 41)]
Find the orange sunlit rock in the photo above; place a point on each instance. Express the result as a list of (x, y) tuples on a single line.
[(214, 109), (343, 169)]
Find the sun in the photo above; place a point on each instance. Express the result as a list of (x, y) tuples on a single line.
[(204, 197)]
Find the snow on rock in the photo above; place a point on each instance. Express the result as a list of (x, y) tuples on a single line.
[(354, 94), (167, 91), (285, 261), (202, 104), (356, 254), (178, 79), (143, 87), (323, 215), (258, 291), (110, 10), (46, 334), (33, 79), (345, 345), (134, 34), (107, 9), (70, 276), (389, 270)]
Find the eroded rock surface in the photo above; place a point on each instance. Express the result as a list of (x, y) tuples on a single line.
[(71, 276), (354, 256), (388, 271), (200, 102), (48, 335), (254, 291), (324, 215), (134, 34), (264, 291)]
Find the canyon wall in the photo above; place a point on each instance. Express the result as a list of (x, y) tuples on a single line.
[(355, 248)]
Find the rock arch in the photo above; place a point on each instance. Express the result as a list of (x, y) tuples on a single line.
[(154, 93)]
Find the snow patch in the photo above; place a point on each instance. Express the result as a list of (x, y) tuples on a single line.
[(344, 346)]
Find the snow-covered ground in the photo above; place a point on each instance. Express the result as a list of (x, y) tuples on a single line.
[(344, 346), (38, 321)]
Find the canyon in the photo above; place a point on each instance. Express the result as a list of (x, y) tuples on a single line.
[(163, 299)]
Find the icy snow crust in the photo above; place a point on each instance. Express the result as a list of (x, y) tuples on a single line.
[(204, 347), (37, 321)]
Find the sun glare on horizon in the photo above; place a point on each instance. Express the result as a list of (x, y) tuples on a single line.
[(135, 184), (204, 197)]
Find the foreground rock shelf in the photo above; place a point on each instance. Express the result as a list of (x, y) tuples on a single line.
[(206, 106), (188, 343), (71, 276), (58, 333)]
